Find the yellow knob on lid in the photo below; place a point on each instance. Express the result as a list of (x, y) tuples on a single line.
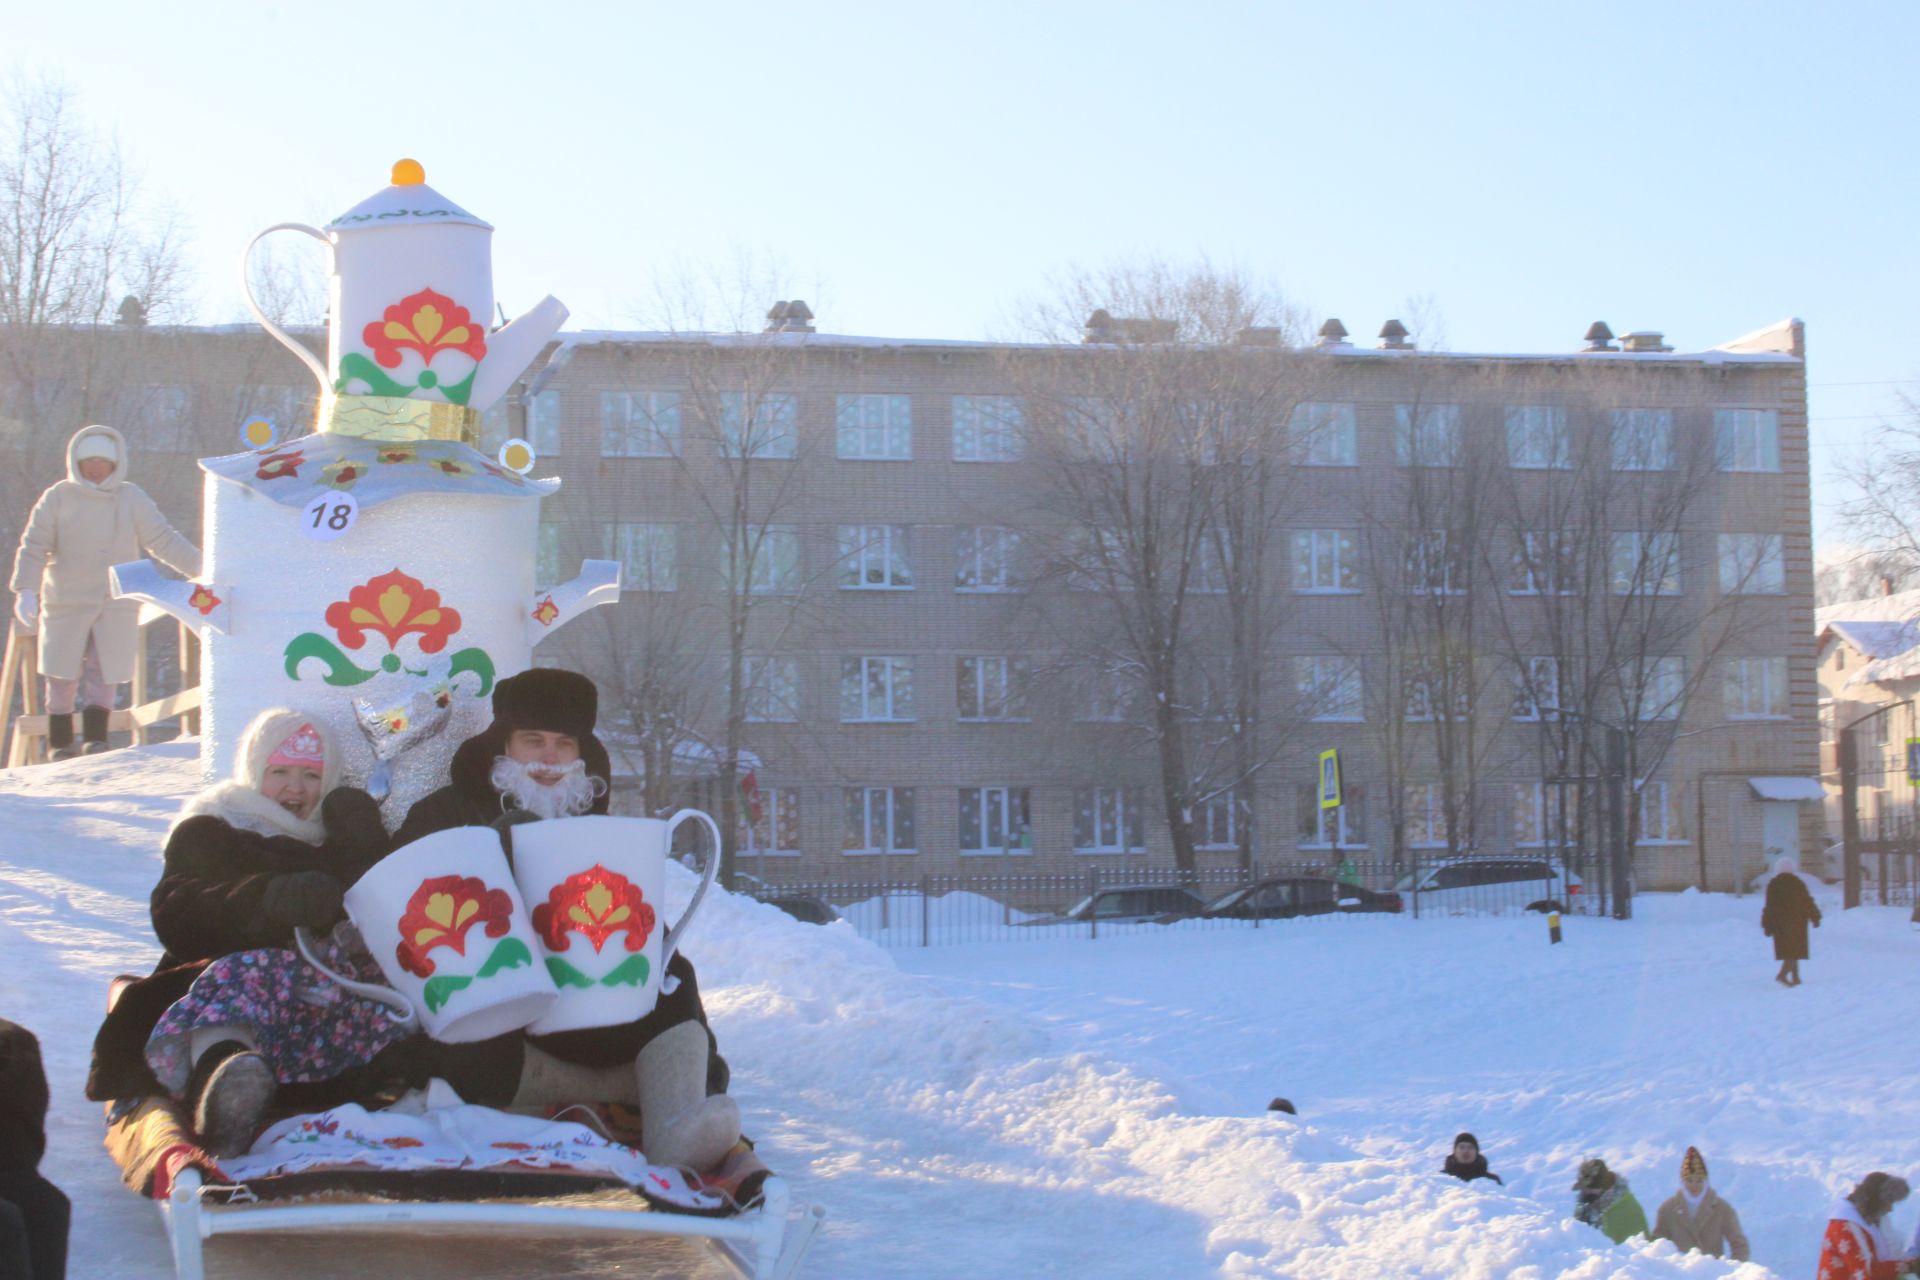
[(408, 173)]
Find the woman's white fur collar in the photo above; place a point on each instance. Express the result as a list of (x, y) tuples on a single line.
[(244, 807)]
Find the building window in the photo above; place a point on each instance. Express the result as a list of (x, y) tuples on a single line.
[(992, 687), (639, 424), (1643, 439), (1434, 566), (546, 556), (1096, 430), (1829, 724), (986, 558), (1329, 687), (1324, 435), (648, 555), (879, 820), (163, 417), (1107, 820), (764, 425), (1752, 564), (1325, 562), (876, 428), (776, 832), (1646, 564), (772, 688), (1097, 561), (873, 557), (1426, 435), (1537, 437), (1747, 439), (988, 429), (768, 561), (1545, 563), (1216, 822), (876, 689), (1538, 810), (543, 424), (1755, 688), (1212, 562), (1323, 828), (1426, 687), (1662, 686), (1105, 695), (1426, 816), (1659, 814), (994, 820), (1536, 685)]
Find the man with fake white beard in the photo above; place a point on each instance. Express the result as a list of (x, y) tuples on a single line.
[(540, 759)]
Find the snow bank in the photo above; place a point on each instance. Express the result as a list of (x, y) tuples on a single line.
[(1096, 1108)]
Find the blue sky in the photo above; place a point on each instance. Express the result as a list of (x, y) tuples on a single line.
[(1702, 169)]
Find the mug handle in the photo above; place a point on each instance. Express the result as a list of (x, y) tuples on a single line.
[(670, 942), (399, 1008), (286, 339)]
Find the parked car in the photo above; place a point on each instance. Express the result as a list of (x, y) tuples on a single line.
[(1285, 897), (805, 907), (1126, 904), (1488, 884)]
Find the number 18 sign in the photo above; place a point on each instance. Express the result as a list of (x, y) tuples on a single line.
[(329, 515)]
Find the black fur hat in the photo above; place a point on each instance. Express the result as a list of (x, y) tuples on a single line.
[(548, 699)]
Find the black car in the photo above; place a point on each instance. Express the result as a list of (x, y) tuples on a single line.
[(1126, 904), (805, 907), (1284, 897)]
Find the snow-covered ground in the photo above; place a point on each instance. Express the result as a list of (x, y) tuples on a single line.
[(1097, 1108)]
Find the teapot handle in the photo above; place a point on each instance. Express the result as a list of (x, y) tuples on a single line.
[(286, 339), (670, 942)]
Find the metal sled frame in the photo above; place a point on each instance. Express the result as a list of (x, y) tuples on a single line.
[(757, 1245)]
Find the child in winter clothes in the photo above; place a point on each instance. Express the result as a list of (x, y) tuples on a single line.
[(1695, 1217), (1465, 1161), (80, 527), (33, 1213), (1857, 1246), (1606, 1203), (232, 1012)]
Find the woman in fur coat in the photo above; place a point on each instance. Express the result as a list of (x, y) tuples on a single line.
[(231, 1012), (1857, 1245)]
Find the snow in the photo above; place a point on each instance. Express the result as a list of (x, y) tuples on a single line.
[(1059, 1106)]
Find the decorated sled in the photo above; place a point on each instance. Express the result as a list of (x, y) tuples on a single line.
[(740, 1212)]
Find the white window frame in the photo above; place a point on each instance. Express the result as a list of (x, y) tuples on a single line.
[(1543, 563), (1541, 675), (1335, 550), (1654, 799), (1324, 434), (1747, 439), (775, 429), (981, 549), (890, 703), (874, 427), (1119, 812), (1537, 438), (1541, 803), (1332, 684), (1013, 826), (1347, 814), (989, 429), (639, 424), (1661, 687), (995, 675), (1753, 564), (870, 549), (776, 562), (1216, 821), (1642, 440), (648, 552), (1103, 697), (1420, 558), (1212, 560), (1425, 811), (547, 568), (880, 807), (1756, 682), (771, 683), (1426, 435), (779, 812), (1633, 552), (1418, 708), (543, 424)]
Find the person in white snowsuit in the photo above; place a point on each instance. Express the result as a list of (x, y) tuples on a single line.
[(79, 528)]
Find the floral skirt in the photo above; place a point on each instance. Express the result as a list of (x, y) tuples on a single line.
[(303, 1023)]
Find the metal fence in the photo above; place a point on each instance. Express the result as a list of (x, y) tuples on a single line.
[(1097, 903)]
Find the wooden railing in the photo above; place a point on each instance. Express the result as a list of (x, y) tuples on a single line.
[(20, 682)]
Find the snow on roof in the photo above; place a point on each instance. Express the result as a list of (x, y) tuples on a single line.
[(1799, 789), (1883, 629)]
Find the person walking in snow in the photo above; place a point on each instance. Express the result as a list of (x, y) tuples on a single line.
[(540, 759), (34, 1214), (1857, 1245), (1465, 1161), (79, 528), (1788, 911), (1695, 1217), (1604, 1201), (232, 1012)]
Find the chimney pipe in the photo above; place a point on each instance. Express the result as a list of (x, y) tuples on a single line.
[(1393, 337), (1599, 337)]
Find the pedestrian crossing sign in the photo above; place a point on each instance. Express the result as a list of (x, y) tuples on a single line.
[(1913, 762), (1330, 779)]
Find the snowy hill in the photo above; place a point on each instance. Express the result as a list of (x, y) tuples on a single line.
[(1095, 1108)]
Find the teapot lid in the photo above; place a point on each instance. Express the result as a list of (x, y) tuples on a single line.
[(408, 202)]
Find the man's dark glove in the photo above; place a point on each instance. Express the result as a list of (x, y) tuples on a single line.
[(353, 826), (309, 898)]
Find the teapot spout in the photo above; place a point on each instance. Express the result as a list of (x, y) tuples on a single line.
[(511, 349)]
